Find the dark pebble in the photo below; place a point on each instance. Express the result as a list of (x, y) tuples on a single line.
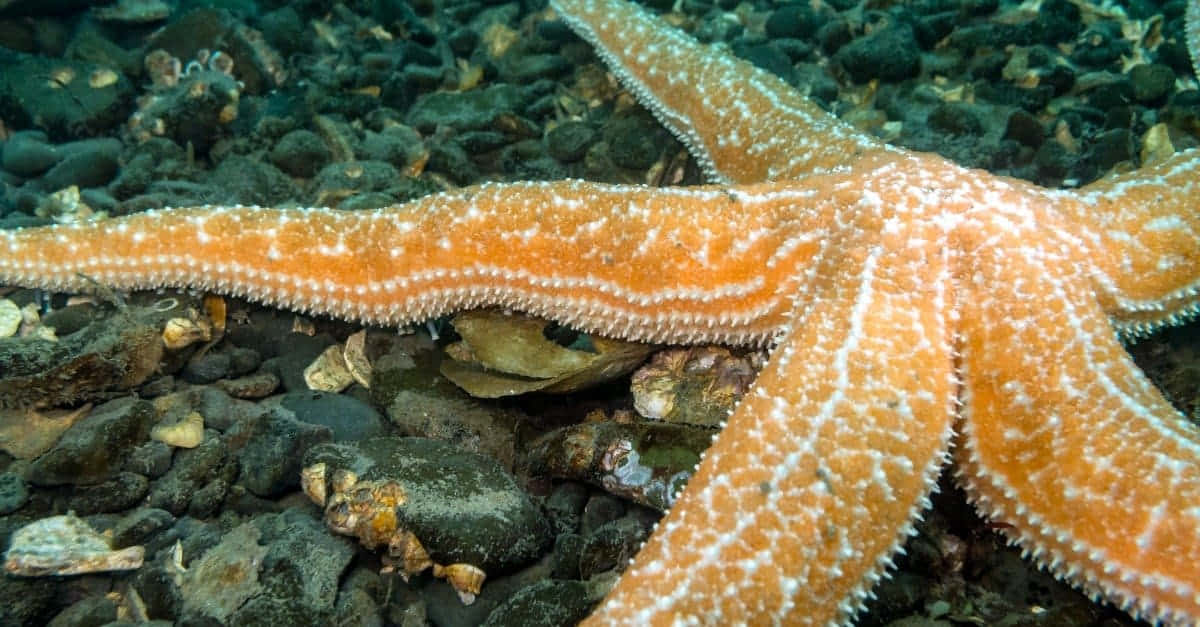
[(88, 163), (470, 110), (532, 67), (1101, 47), (207, 501), (398, 145), (151, 459), (564, 561), (954, 118), (635, 140), (1152, 82), (565, 506), (207, 368), (251, 181), (13, 493), (347, 417), (243, 360), (1025, 128), (1057, 21), (119, 493), (275, 444), (193, 468), (300, 153), (799, 21), (463, 40), (462, 506), (889, 54), (1112, 147), (600, 510), (451, 159), (610, 545), (96, 446), (138, 526), (28, 154), (767, 56), (362, 176), (547, 603), (92, 611)]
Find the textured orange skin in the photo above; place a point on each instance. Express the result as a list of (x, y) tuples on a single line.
[(909, 301)]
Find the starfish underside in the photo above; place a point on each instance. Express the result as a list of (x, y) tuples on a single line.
[(918, 310)]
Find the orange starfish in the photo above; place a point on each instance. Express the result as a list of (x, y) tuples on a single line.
[(910, 302)]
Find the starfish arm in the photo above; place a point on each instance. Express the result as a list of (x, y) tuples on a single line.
[(1064, 438), (1145, 242), (743, 124), (661, 265), (799, 505)]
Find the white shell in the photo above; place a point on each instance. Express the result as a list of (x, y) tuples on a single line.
[(65, 545)]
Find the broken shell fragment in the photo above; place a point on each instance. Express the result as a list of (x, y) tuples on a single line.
[(343, 480), (328, 372), (355, 355), (467, 580), (407, 552), (697, 385), (505, 355), (101, 78), (65, 545), (312, 482), (10, 318), (183, 332), (185, 433), (61, 77)]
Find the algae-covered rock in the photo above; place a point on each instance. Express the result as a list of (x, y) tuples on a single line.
[(462, 507), (94, 448), (60, 96), (276, 569), (97, 362), (546, 604), (646, 462)]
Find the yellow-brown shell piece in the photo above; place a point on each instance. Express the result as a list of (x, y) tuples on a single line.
[(228, 113), (343, 480), (10, 318), (185, 433), (355, 355), (182, 332), (389, 494), (61, 77), (467, 580), (101, 78), (406, 550), (340, 515), (312, 483), (328, 372)]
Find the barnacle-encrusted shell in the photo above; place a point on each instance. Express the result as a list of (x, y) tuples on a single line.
[(343, 480), (65, 545), (467, 580), (695, 385), (406, 551), (364, 509)]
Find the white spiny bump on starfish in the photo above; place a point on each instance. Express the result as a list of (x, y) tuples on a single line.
[(910, 302)]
